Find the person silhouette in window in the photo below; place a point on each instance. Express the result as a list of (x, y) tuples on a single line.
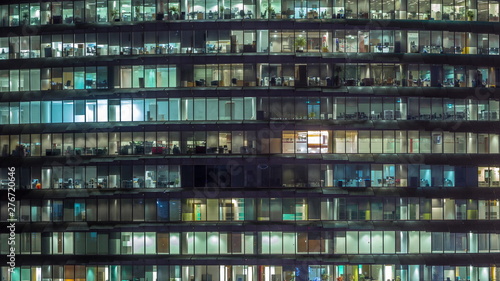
[(176, 149)]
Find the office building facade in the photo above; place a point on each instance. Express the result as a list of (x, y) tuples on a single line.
[(251, 140)]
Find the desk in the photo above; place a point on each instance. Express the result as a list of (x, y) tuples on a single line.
[(249, 48), (460, 115), (382, 49), (483, 184), (52, 152), (388, 114), (56, 86), (127, 184), (25, 54), (312, 15), (489, 115), (313, 81), (350, 82), (368, 81), (158, 150), (89, 84)]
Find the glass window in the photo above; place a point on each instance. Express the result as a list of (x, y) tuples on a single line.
[(126, 243), (138, 242)]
